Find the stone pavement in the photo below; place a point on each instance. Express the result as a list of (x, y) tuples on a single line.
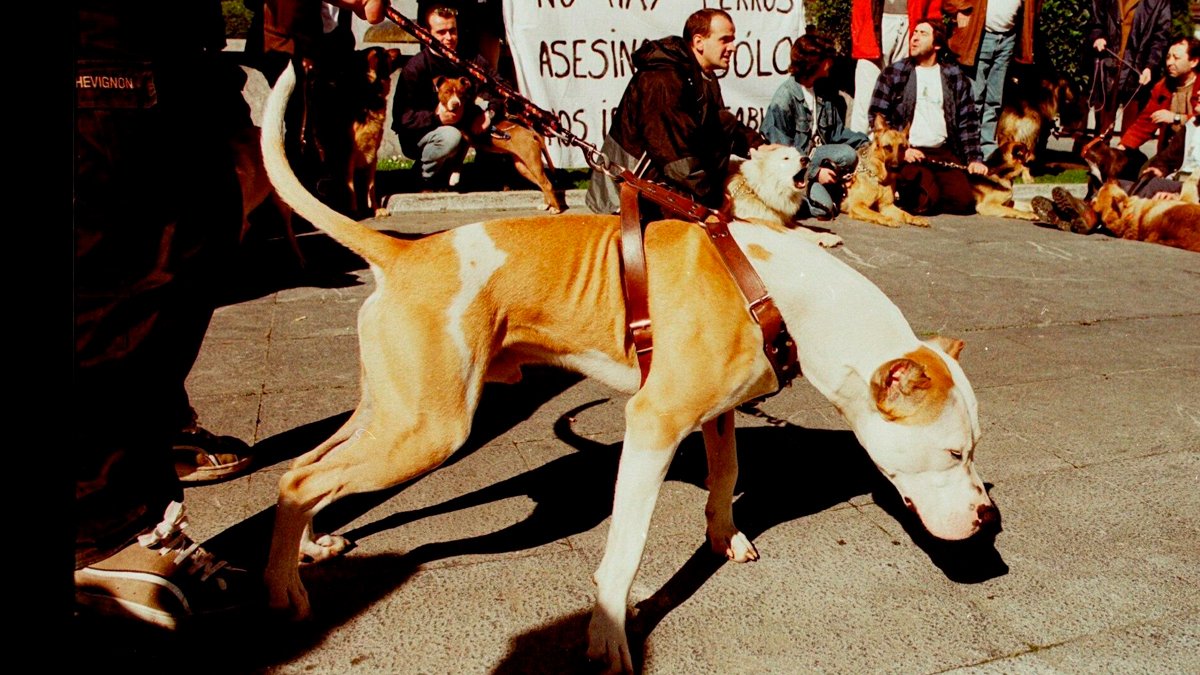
[(1083, 352)]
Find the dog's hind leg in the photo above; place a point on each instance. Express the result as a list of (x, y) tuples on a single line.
[(721, 449), (381, 456)]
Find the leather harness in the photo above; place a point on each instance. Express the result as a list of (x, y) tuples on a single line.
[(778, 345)]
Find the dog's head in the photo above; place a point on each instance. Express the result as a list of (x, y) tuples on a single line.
[(454, 93), (889, 144), (920, 425), (779, 168), (1109, 204), (1104, 163)]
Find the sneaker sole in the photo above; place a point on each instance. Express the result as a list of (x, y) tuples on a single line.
[(189, 473), (107, 605)]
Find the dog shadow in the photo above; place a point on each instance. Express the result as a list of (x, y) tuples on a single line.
[(572, 495)]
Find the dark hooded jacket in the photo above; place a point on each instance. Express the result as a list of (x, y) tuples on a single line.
[(674, 113)]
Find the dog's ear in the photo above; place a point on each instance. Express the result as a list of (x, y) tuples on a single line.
[(394, 57), (465, 82), (880, 124), (899, 388), (754, 153), (952, 346), (437, 82)]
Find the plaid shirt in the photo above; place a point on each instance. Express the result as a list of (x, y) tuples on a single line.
[(895, 97)]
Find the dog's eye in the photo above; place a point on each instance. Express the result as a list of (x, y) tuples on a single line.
[(956, 454)]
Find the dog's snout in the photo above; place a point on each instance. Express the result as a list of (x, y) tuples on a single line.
[(988, 518)]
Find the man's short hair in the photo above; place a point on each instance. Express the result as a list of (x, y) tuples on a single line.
[(442, 11), (808, 51), (1193, 47), (700, 23)]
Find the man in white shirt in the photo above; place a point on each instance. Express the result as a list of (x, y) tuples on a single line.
[(929, 93)]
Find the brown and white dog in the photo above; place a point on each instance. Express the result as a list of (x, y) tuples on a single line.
[(472, 305), (871, 196), (526, 147), (769, 188)]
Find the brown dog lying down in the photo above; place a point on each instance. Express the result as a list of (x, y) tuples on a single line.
[(1159, 221), (871, 196), (527, 147)]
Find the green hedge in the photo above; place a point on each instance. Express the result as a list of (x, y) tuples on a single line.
[(237, 19)]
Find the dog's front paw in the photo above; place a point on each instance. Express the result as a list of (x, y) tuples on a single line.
[(324, 547), (918, 221), (607, 643), (828, 240)]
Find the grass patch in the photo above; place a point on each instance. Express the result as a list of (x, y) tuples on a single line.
[(489, 173), (1068, 176)]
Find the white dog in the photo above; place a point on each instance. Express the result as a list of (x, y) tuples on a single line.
[(769, 187), (474, 304)]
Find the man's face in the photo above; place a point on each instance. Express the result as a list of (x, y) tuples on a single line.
[(713, 52), (1178, 64), (445, 29), (921, 44)]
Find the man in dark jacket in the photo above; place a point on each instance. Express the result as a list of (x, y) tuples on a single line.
[(434, 136), (1137, 32), (929, 94), (672, 111)]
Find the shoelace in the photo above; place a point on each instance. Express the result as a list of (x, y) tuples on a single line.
[(168, 537)]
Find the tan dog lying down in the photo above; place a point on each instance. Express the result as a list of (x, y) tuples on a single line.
[(460, 308), (1158, 221)]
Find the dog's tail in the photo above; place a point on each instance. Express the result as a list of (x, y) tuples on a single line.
[(374, 247)]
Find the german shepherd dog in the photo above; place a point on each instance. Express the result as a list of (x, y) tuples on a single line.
[(1031, 106), (871, 196)]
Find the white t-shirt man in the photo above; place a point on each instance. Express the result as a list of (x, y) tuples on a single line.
[(929, 118)]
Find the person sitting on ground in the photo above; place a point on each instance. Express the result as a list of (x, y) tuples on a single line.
[(673, 113), (929, 94), (1177, 163), (804, 114), (429, 132), (1170, 105)]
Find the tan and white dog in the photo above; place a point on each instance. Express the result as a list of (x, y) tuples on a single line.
[(770, 188), (474, 304)]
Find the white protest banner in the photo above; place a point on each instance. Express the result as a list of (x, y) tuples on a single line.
[(574, 57)]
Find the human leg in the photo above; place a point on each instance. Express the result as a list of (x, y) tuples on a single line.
[(823, 200), (987, 87), (442, 150), (143, 248)]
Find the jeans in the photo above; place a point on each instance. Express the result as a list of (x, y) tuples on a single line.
[(823, 200), (987, 85), (442, 150)]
